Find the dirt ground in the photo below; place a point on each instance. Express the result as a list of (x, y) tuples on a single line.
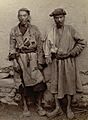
[(10, 112)]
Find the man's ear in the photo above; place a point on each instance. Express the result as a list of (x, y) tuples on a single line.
[(29, 19)]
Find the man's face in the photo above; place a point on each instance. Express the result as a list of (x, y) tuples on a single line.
[(59, 20), (23, 17)]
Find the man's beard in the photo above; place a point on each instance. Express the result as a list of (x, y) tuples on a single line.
[(59, 25), (25, 23)]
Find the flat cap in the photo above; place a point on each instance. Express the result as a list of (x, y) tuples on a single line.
[(58, 11)]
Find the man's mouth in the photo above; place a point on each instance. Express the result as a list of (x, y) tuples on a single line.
[(23, 22), (59, 23)]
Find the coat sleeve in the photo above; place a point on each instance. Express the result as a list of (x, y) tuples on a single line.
[(49, 44), (47, 51), (40, 52), (12, 44), (79, 43)]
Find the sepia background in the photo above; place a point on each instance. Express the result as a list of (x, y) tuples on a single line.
[(77, 15)]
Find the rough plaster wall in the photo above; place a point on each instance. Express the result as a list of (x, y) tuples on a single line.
[(77, 15)]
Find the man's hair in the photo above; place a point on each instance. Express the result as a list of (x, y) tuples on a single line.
[(24, 9)]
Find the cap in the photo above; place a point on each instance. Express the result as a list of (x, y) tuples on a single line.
[(58, 11)]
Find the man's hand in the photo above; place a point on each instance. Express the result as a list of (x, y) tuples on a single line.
[(40, 67), (13, 56), (48, 60)]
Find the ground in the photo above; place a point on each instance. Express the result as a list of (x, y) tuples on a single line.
[(10, 112), (13, 112)]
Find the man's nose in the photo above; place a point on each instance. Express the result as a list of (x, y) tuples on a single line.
[(59, 19), (22, 17)]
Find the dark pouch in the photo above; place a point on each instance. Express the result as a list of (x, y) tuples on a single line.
[(53, 56)]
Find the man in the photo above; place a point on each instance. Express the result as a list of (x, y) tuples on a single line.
[(26, 52), (63, 45)]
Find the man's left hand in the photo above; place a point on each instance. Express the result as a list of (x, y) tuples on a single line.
[(40, 67)]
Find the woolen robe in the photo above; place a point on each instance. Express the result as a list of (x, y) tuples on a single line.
[(28, 61), (64, 74)]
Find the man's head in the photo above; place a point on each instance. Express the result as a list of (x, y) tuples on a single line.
[(59, 16), (24, 15)]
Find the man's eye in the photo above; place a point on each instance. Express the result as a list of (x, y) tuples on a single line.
[(20, 15), (24, 15)]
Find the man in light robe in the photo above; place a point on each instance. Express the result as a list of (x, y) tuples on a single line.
[(62, 46)]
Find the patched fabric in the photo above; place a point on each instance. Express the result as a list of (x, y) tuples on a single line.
[(28, 61)]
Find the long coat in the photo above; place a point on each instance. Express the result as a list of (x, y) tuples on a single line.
[(28, 61), (64, 76)]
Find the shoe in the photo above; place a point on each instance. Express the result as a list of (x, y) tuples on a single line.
[(26, 113), (42, 112), (70, 114), (54, 113)]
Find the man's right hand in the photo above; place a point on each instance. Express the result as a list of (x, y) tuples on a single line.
[(48, 60), (12, 56)]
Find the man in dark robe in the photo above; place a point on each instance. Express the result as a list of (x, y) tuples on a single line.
[(26, 52)]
